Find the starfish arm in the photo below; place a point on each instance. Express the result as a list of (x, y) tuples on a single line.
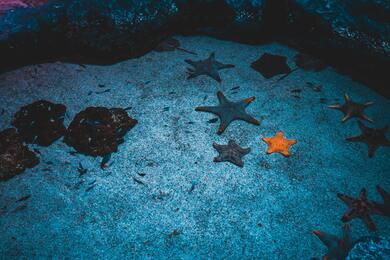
[(346, 199), (221, 97), (237, 161), (215, 75), (367, 104), (291, 142), (246, 101), (347, 98), (286, 153), (233, 143), (365, 117), (217, 147), (222, 127), (191, 62), (266, 140), (379, 209), (191, 75), (327, 239), (362, 127), (214, 110), (369, 222), (190, 70), (363, 193), (371, 150), (222, 66), (336, 106), (211, 56), (270, 150), (358, 138), (349, 215), (384, 194), (218, 159), (345, 118), (243, 150), (249, 119), (347, 235)]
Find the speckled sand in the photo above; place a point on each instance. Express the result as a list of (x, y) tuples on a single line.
[(266, 210)]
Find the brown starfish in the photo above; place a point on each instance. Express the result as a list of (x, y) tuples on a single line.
[(352, 109), (359, 207), (231, 152), (209, 67), (373, 137), (338, 248), (384, 208)]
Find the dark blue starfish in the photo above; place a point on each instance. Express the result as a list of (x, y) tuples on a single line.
[(209, 67), (373, 137), (228, 111), (231, 152)]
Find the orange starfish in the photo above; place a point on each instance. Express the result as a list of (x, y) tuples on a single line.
[(279, 144)]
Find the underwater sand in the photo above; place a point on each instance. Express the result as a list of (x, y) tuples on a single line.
[(188, 206)]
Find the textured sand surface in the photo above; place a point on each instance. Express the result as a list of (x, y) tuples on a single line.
[(189, 206)]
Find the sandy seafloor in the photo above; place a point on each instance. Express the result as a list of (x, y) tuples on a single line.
[(265, 210)]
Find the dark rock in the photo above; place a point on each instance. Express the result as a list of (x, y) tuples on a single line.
[(98, 131), (370, 248), (15, 157), (355, 43), (270, 65), (352, 35), (41, 122)]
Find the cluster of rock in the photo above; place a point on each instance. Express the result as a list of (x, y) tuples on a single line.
[(96, 131)]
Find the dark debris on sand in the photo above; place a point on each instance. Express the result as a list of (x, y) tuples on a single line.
[(97, 131), (309, 63), (41, 122), (15, 157)]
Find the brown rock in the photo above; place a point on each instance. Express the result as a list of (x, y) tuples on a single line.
[(15, 157), (98, 131)]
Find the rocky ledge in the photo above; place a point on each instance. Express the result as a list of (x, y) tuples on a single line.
[(351, 35)]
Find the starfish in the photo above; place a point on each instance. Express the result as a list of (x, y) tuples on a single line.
[(228, 111), (231, 152), (279, 144), (359, 207), (209, 67), (384, 208), (373, 137), (352, 109), (338, 248)]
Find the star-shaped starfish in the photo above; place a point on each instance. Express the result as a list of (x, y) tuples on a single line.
[(338, 248), (373, 137), (228, 111), (352, 109), (384, 208), (209, 67), (231, 152), (279, 144), (359, 207)]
